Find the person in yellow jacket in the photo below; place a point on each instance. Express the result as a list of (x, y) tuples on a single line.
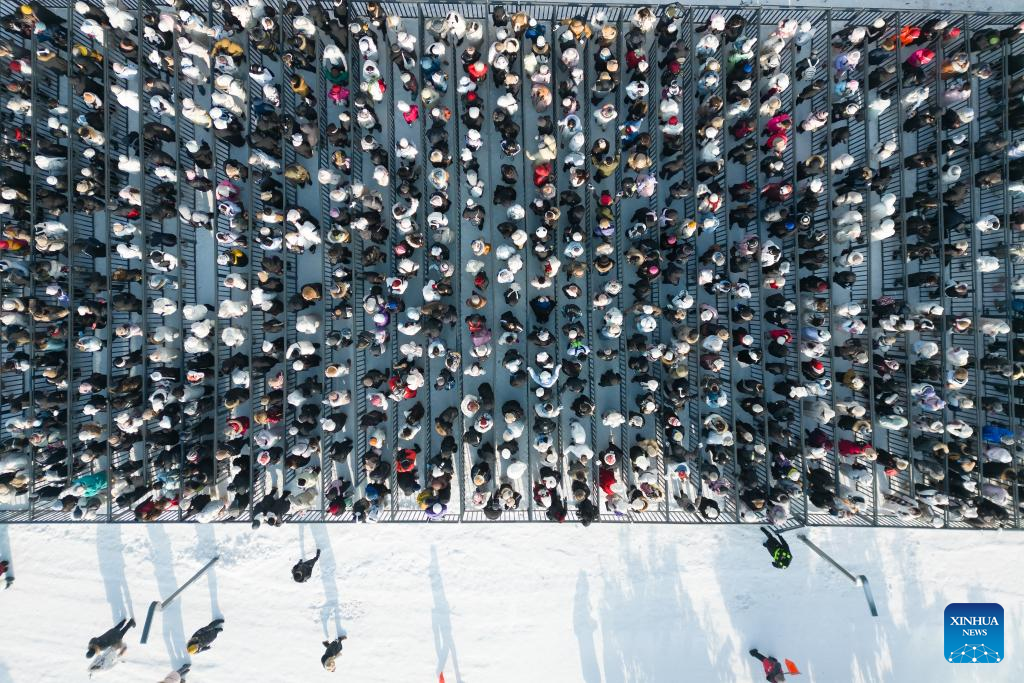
[(228, 47)]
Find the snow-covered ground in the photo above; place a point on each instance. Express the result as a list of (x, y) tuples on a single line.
[(503, 603)]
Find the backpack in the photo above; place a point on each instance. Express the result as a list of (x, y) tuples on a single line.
[(781, 558)]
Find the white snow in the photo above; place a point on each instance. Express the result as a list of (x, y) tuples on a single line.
[(501, 603)]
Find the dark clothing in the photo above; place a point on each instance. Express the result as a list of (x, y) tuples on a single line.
[(332, 651), (110, 638), (303, 569), (779, 549), (204, 637), (772, 668)]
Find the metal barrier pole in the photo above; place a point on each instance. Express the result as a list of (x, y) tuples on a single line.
[(940, 223), (327, 352), (694, 368), (156, 604), (858, 580), (390, 267), (1011, 343)]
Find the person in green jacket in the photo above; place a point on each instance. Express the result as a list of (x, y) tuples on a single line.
[(91, 484), (779, 549)]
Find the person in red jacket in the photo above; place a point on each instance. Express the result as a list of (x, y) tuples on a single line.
[(852, 449), (405, 460), (772, 667)]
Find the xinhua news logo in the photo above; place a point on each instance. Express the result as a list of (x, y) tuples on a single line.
[(974, 633)]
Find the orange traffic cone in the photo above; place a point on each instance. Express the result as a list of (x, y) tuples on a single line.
[(791, 669), (440, 679)]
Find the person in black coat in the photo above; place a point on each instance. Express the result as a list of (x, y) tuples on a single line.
[(110, 638), (332, 652), (303, 569), (202, 639)]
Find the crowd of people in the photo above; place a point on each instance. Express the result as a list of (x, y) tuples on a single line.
[(272, 261)]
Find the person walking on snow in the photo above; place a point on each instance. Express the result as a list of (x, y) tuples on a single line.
[(202, 639), (303, 569), (109, 646), (8, 579), (772, 667), (332, 652), (778, 547), (177, 676)]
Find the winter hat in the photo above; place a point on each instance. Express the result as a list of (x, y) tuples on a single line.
[(516, 470)]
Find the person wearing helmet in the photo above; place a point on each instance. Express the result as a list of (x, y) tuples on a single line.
[(202, 640), (779, 549)]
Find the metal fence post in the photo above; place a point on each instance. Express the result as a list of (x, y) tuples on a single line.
[(162, 605), (857, 580)]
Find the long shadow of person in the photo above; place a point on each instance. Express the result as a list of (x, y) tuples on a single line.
[(657, 580), (328, 575), (441, 619), (167, 583), (208, 548), (585, 626), (110, 555)]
